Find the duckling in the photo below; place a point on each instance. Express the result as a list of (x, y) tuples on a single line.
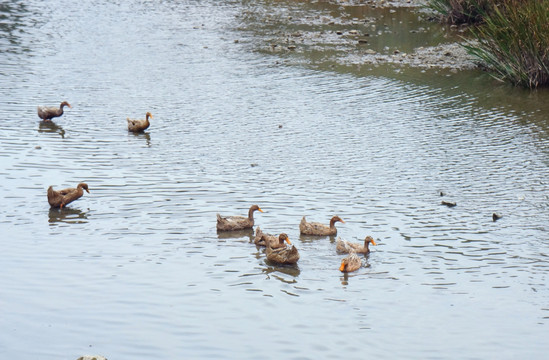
[(47, 113), (343, 246), (350, 263), (315, 228), (229, 223), (66, 196)]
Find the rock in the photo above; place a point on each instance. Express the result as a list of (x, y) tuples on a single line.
[(370, 52), (496, 217), (92, 357)]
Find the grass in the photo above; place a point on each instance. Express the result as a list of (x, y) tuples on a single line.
[(460, 11), (511, 37)]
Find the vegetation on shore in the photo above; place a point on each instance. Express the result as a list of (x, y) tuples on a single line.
[(510, 37)]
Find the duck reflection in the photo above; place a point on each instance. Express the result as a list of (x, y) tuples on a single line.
[(311, 238), (236, 234), (67, 215), (292, 270), (142, 135), (51, 127)]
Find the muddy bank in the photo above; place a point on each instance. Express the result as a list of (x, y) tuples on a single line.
[(358, 33)]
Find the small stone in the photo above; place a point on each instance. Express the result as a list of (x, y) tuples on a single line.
[(37, 147)]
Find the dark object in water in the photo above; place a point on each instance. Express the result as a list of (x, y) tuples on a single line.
[(495, 217), (448, 203)]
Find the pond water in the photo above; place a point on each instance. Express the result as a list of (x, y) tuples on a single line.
[(136, 269)]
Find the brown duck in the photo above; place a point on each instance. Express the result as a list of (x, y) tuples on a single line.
[(343, 246), (264, 239), (282, 254), (315, 228), (139, 125), (66, 196), (350, 263), (47, 113), (228, 223)]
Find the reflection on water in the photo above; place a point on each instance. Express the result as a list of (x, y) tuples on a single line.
[(143, 135), (247, 234), (67, 215), (51, 127), (292, 270), (308, 238)]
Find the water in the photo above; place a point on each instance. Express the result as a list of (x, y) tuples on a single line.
[(136, 269)]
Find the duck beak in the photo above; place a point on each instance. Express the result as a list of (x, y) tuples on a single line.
[(259, 209), (373, 242), (288, 241), (69, 105), (342, 221), (87, 191), (342, 267)]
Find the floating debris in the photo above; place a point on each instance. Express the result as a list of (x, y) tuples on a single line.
[(448, 203)]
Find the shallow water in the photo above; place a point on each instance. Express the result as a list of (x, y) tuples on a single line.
[(136, 269)]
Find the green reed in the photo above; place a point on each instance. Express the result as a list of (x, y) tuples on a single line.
[(513, 41), (510, 37)]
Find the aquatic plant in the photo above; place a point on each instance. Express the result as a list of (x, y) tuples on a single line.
[(513, 42)]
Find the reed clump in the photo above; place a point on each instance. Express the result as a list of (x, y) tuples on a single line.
[(513, 41), (510, 37)]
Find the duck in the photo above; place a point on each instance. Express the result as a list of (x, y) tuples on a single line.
[(264, 239), (350, 263), (315, 228), (229, 223), (282, 254), (47, 113), (60, 198), (343, 246), (139, 125)]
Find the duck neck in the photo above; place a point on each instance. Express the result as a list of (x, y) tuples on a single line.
[(332, 223), (251, 213)]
